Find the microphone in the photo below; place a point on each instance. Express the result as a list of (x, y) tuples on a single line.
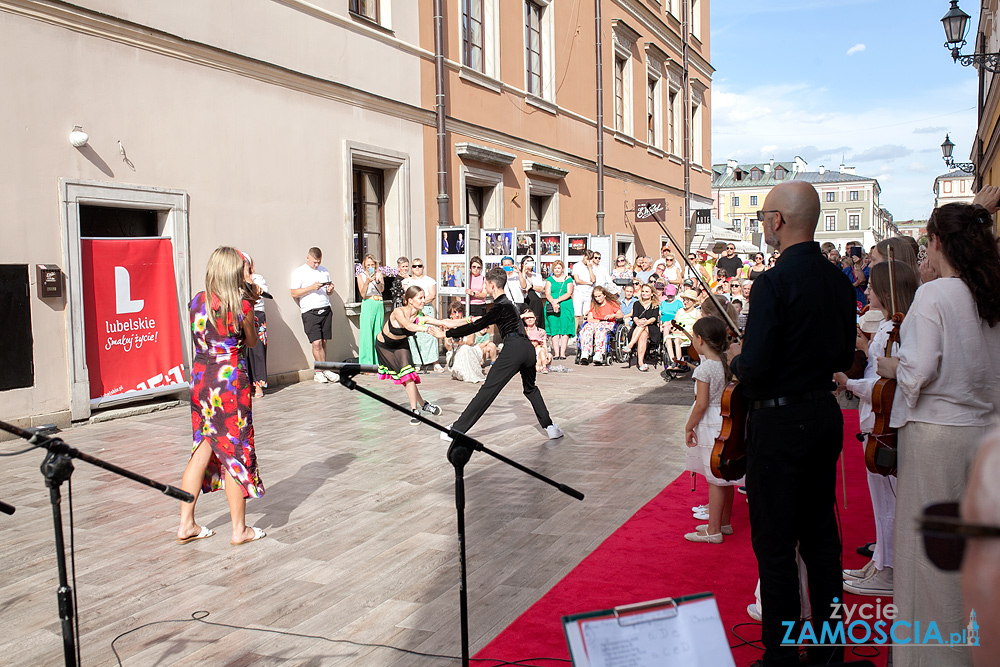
[(266, 295), (345, 368)]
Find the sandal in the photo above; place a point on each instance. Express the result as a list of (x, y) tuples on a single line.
[(257, 534), (644, 368)]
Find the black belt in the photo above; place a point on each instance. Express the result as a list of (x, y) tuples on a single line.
[(516, 333), (790, 400)]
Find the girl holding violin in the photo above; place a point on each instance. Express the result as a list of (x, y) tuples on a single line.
[(948, 375), (875, 578)]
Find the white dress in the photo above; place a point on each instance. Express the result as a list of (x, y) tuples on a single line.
[(698, 459), (467, 364)]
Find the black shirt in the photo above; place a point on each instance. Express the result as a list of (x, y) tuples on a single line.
[(801, 328), (731, 265), (504, 314)]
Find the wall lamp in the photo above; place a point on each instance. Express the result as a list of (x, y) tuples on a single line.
[(78, 137), (946, 149), (956, 24)]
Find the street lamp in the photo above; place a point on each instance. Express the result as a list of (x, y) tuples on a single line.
[(956, 24), (946, 149)]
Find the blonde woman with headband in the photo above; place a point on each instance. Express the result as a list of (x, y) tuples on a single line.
[(223, 455)]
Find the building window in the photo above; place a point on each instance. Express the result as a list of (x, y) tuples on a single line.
[(366, 8), (472, 34), (738, 224), (831, 196), (653, 112), (831, 223), (473, 207), (736, 201), (696, 122), (947, 187), (753, 225), (620, 94), (854, 222), (696, 18), (533, 46), (536, 212), (369, 197), (753, 200), (671, 122), (755, 174), (854, 195), (779, 173), (961, 186)]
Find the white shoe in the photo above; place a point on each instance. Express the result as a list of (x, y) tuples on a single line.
[(331, 376), (553, 431), (700, 508), (319, 377), (879, 583), (701, 516), (859, 574), (726, 530), (753, 611), (704, 537), (438, 368), (598, 358), (445, 436)]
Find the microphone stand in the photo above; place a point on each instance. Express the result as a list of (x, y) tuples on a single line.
[(459, 454), (57, 467)]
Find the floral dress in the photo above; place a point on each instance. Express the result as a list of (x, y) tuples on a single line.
[(220, 400)]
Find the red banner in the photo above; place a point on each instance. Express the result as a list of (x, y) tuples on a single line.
[(130, 314)]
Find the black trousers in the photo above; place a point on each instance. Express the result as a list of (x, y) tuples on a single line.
[(792, 454), (517, 356)]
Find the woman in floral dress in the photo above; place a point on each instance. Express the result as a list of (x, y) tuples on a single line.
[(223, 453)]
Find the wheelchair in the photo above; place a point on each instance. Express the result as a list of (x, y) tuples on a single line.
[(616, 339)]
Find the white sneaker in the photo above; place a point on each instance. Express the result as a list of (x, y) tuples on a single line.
[(859, 574), (699, 508), (701, 516), (331, 376), (753, 611), (438, 368), (553, 431), (879, 583), (598, 358), (319, 377), (445, 436)]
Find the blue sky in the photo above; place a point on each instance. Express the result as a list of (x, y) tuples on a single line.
[(864, 82)]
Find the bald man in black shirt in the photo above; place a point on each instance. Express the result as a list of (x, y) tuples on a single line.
[(517, 356), (800, 330)]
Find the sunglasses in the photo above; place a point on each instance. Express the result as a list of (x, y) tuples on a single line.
[(761, 213), (945, 534), (416, 266), (621, 261), (729, 247)]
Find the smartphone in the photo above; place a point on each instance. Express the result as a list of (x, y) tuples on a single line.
[(371, 271), (857, 251), (325, 284), (508, 269)]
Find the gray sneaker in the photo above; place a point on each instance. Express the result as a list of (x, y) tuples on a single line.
[(431, 408), (414, 421)]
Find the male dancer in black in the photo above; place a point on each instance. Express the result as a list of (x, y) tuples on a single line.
[(800, 330), (517, 356)]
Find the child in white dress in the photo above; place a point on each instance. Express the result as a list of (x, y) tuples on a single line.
[(704, 423)]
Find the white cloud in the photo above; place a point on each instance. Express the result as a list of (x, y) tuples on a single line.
[(857, 48)]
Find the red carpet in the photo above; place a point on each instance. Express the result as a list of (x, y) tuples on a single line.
[(648, 558)]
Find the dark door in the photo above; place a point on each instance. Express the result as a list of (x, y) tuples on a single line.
[(17, 368)]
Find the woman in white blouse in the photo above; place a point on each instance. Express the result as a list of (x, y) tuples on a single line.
[(946, 398)]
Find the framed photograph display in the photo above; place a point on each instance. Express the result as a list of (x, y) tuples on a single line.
[(550, 248), (527, 246), (496, 244), (453, 259), (576, 246)]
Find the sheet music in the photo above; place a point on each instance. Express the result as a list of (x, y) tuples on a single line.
[(691, 637)]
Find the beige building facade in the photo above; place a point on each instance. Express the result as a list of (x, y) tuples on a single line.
[(275, 126)]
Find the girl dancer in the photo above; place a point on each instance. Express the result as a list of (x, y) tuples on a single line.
[(711, 340), (393, 350)]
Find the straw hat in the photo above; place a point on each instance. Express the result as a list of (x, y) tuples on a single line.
[(689, 294), (870, 321)]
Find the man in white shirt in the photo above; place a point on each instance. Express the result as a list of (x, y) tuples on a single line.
[(583, 276), (516, 282), (601, 275), (311, 285)]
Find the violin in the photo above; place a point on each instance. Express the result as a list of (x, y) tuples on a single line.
[(880, 449), (729, 454)]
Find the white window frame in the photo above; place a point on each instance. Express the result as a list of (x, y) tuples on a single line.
[(675, 144), (491, 41), (172, 218), (735, 201), (697, 122), (550, 191), (654, 75), (492, 182), (548, 50), (384, 14), (695, 19), (753, 200), (622, 49), (826, 221)]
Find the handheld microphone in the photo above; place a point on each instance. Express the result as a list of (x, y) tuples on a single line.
[(266, 295), (344, 367)]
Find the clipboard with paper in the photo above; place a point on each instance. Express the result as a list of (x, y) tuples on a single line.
[(671, 632)]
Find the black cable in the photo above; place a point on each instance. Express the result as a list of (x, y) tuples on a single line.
[(200, 616), (23, 451), (755, 643)]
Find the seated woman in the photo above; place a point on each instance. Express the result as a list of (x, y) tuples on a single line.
[(645, 332), (601, 317), (537, 338), (685, 317), (465, 356)]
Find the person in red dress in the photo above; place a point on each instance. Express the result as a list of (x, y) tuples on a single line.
[(223, 454)]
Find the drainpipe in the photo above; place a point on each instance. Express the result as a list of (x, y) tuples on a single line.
[(444, 216), (600, 121), (686, 84)]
